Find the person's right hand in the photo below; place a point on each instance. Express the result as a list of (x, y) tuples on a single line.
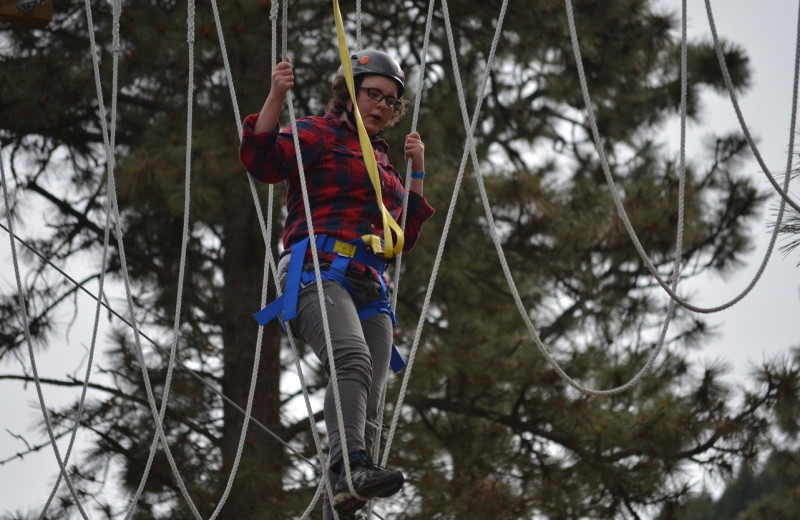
[(282, 79)]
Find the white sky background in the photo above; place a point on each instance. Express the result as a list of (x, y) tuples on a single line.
[(759, 327)]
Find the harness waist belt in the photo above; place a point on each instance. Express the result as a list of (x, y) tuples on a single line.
[(345, 252)]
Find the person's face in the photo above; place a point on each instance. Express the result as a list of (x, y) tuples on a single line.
[(376, 114)]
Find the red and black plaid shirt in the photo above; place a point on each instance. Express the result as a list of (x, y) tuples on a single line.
[(343, 201)]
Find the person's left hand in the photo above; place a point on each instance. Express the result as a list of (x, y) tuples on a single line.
[(415, 150)]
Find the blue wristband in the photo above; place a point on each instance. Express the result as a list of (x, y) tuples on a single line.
[(417, 175)]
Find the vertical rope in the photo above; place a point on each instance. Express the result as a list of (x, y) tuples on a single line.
[(399, 261), (358, 25), (159, 435), (414, 121), (448, 220), (101, 285)]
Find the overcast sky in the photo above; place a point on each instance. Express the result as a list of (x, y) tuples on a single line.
[(757, 328)]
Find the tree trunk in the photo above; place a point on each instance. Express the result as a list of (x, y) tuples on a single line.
[(258, 481)]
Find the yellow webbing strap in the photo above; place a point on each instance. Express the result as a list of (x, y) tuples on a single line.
[(391, 249)]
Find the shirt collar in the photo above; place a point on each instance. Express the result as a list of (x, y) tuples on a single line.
[(377, 141)]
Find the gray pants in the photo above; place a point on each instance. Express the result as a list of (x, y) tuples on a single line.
[(361, 350)]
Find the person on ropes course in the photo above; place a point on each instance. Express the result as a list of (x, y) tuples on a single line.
[(347, 223)]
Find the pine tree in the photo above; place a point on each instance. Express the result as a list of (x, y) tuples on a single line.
[(488, 429)]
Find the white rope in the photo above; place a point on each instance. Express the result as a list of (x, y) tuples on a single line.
[(269, 260), (153, 343), (264, 286), (26, 327), (399, 262), (784, 193), (512, 286), (325, 480), (98, 307), (325, 483), (267, 234), (446, 229), (414, 121), (321, 295), (509, 278), (89, 364), (358, 25), (158, 415), (267, 229), (618, 202)]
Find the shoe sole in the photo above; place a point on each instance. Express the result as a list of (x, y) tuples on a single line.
[(346, 502)]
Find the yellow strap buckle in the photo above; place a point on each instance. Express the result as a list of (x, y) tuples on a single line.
[(344, 249), (373, 242)]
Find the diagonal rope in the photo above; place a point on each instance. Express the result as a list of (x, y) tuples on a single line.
[(509, 278), (615, 194)]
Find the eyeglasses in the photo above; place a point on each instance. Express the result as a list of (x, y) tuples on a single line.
[(377, 96)]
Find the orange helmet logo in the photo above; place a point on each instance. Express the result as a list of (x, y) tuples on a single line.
[(364, 60)]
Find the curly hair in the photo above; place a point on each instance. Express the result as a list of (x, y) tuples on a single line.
[(338, 103)]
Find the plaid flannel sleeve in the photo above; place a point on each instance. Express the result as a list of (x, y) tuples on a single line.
[(270, 156)]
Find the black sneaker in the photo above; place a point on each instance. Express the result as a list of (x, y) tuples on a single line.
[(369, 481)]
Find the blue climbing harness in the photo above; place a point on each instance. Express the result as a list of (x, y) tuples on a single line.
[(285, 305)]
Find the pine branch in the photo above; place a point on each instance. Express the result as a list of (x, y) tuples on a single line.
[(118, 394)]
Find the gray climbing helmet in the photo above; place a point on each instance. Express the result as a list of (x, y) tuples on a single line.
[(372, 61)]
